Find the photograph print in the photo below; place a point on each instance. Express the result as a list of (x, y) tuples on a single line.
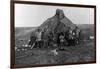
[(47, 35)]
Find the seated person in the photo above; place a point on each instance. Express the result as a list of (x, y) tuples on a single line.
[(61, 39)]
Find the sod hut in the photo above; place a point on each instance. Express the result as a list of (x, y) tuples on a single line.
[(56, 24), (52, 27)]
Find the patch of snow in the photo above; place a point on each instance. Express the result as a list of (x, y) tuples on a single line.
[(26, 46), (16, 48), (91, 37)]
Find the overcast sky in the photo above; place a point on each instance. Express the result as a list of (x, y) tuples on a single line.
[(34, 15)]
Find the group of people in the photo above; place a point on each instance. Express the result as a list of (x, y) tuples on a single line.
[(63, 38), (70, 37)]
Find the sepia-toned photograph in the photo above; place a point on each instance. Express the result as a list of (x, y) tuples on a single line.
[(53, 35)]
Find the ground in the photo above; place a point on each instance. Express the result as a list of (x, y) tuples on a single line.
[(83, 52)]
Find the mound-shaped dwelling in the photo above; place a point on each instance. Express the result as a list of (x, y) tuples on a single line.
[(52, 27), (57, 24)]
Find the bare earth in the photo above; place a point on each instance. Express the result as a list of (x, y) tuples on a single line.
[(84, 52)]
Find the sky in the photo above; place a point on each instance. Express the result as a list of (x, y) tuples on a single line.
[(34, 15)]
